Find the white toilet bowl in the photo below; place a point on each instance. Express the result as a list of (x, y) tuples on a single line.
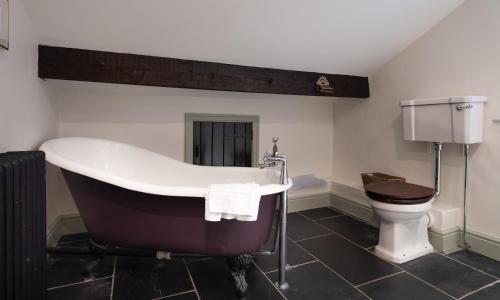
[(403, 225), (403, 230)]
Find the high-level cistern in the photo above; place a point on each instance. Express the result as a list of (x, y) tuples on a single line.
[(457, 120)]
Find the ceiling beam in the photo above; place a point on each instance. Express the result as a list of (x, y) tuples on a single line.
[(133, 69)]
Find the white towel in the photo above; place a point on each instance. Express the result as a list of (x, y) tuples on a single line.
[(238, 201)]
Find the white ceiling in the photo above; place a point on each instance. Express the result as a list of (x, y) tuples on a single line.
[(334, 36)]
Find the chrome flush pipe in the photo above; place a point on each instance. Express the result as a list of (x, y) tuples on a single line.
[(437, 169), (466, 186)]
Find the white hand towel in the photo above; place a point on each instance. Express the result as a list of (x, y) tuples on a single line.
[(232, 201)]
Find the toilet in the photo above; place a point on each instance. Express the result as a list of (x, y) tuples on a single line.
[(403, 211), (404, 208)]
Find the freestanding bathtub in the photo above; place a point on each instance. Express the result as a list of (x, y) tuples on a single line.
[(134, 198)]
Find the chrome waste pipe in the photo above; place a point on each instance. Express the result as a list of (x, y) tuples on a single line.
[(282, 284), (272, 160), (438, 147), (467, 245)]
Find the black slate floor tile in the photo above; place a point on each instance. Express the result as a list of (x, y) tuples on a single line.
[(295, 256), (478, 261), (190, 259), (63, 269), (402, 287), (447, 275), (96, 290), (359, 232), (299, 227), (489, 293), (350, 261), (315, 281), (184, 296), (320, 213), (146, 278), (213, 281)]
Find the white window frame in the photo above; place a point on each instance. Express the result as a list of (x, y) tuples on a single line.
[(190, 118)]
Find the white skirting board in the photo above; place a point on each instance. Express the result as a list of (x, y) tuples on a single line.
[(62, 225), (445, 242), (298, 203), (480, 243)]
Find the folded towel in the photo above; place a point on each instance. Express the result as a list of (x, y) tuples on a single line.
[(238, 201)]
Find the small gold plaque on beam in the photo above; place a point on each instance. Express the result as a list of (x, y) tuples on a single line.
[(323, 85)]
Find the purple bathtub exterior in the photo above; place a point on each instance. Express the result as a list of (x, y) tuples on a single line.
[(119, 217)]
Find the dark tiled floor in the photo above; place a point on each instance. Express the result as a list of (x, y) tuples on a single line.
[(183, 296), (320, 213), (296, 256), (68, 269), (478, 261), (299, 227), (331, 262), (148, 278), (448, 275), (356, 231), (96, 290), (489, 293), (355, 264), (213, 281), (315, 281), (400, 287)]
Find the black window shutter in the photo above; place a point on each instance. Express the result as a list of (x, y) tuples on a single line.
[(222, 144)]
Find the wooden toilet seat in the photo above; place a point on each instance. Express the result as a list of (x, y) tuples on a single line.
[(401, 193)]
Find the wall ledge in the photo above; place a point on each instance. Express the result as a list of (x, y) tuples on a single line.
[(445, 217), (62, 225)]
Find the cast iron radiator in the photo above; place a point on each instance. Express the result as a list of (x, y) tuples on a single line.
[(22, 225)]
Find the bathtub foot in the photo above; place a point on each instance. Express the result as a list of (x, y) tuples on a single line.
[(238, 265)]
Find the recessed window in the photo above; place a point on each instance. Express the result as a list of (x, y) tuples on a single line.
[(222, 140)]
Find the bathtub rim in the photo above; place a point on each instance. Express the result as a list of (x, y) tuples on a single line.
[(183, 191)]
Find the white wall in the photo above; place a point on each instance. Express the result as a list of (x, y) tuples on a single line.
[(27, 110), (153, 118), (315, 35), (460, 56)]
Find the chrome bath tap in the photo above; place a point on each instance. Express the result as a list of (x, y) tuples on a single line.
[(266, 163), (275, 159)]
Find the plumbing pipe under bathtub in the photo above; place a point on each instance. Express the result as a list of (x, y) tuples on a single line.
[(272, 160), (283, 229), (282, 284)]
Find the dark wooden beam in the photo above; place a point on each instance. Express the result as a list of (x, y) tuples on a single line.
[(121, 68)]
